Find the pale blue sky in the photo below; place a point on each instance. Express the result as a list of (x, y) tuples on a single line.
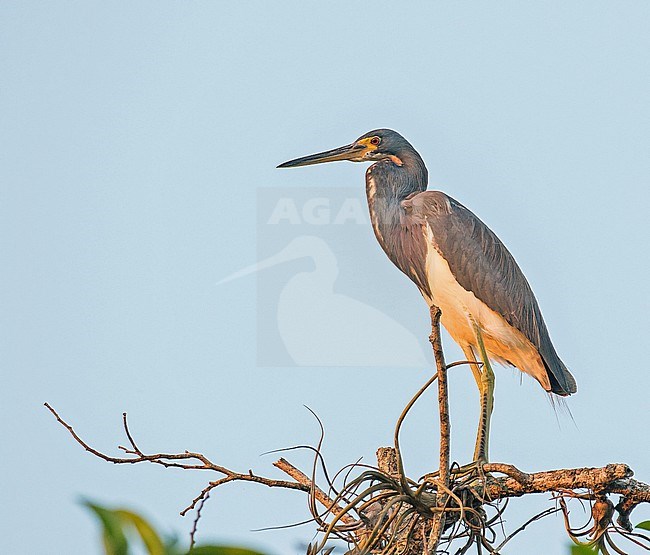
[(135, 139)]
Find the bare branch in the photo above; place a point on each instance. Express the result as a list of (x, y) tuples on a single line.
[(593, 479), (445, 428), (383, 511), (319, 494), (201, 462)]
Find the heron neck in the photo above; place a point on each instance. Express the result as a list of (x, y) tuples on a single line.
[(389, 184)]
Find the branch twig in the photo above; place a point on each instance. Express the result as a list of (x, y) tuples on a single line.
[(445, 428), (319, 494)]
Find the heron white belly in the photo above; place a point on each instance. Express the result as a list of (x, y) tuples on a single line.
[(460, 308)]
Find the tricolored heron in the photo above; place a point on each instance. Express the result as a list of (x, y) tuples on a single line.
[(458, 264)]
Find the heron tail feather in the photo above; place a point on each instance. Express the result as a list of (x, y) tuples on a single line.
[(562, 381)]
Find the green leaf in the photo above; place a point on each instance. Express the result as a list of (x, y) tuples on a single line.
[(172, 546), (150, 538), (118, 525), (645, 525), (582, 550), (115, 542), (221, 550)]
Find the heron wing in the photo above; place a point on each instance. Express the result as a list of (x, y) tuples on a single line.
[(483, 265)]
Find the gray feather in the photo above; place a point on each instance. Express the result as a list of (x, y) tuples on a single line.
[(482, 264)]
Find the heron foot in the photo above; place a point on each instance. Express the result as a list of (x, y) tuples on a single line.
[(470, 471)]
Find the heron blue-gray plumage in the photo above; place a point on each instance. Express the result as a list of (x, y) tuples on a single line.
[(457, 263)]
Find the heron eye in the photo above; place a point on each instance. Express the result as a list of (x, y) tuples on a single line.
[(375, 141)]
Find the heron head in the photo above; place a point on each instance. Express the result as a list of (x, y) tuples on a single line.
[(380, 144)]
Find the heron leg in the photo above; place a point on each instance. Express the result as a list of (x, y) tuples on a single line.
[(474, 364), (485, 384)]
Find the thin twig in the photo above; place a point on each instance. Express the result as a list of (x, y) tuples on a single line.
[(136, 449), (538, 516), (195, 523)]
